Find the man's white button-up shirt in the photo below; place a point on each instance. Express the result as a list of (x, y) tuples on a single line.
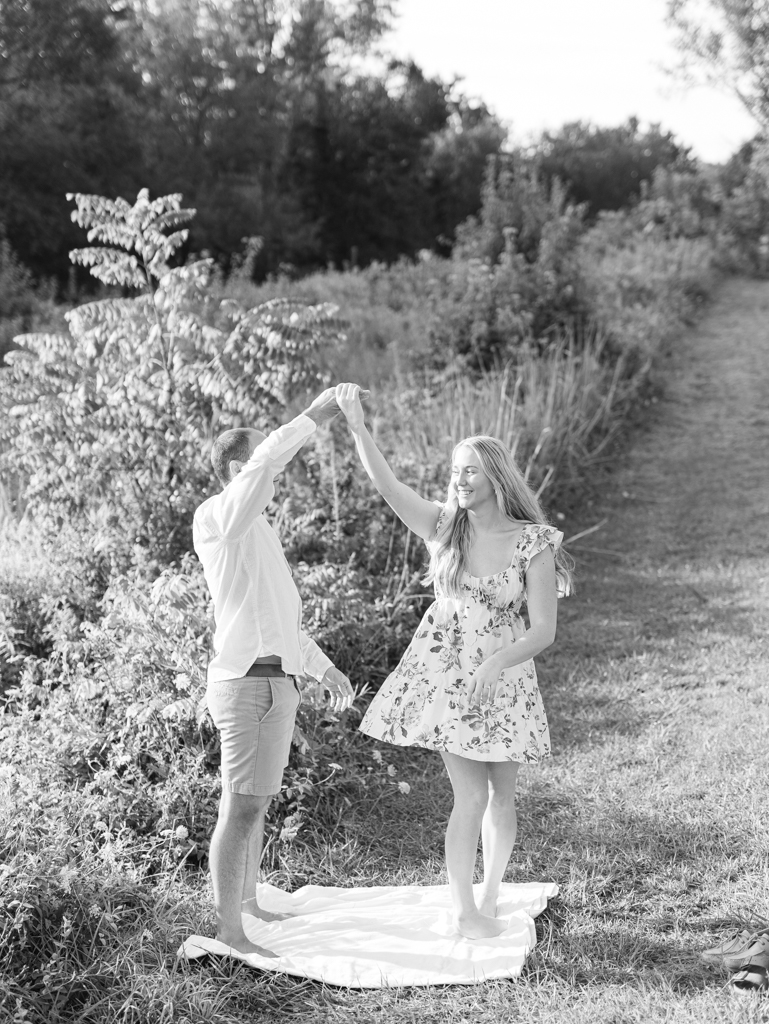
[(257, 607)]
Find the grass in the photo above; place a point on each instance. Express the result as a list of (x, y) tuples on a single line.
[(555, 412), (651, 817)]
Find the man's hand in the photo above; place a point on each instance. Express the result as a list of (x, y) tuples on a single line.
[(484, 683), (348, 398), (324, 407), (340, 691)]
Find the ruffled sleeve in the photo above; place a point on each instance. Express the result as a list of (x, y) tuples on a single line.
[(541, 537)]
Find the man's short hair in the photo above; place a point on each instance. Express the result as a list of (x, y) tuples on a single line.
[(232, 444)]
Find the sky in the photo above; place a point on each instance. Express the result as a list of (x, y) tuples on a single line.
[(541, 63)]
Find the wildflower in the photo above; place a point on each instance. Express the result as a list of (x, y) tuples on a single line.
[(100, 826), (404, 787), (181, 833), (94, 910), (391, 770), (67, 875), (336, 767), (377, 756)]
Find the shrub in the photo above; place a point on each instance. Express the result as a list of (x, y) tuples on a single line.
[(744, 229), (107, 426)]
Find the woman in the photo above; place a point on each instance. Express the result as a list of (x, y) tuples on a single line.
[(466, 685)]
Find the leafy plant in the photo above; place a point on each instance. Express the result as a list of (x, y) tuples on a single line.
[(109, 425)]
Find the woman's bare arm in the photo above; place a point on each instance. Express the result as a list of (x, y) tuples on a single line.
[(416, 512), (542, 606)]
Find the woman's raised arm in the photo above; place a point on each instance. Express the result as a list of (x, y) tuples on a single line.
[(416, 512)]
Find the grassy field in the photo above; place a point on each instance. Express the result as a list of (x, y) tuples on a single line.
[(653, 815)]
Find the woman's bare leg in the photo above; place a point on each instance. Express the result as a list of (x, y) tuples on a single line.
[(469, 781), (499, 828)]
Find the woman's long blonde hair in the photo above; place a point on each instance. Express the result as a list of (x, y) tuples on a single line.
[(516, 501)]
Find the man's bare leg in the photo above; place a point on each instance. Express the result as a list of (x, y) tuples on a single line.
[(238, 814), (250, 904)]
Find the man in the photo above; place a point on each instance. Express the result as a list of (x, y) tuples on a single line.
[(259, 647)]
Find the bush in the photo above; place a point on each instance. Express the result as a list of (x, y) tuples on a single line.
[(744, 229), (108, 426)]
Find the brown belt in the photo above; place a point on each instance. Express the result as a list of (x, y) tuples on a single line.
[(264, 669)]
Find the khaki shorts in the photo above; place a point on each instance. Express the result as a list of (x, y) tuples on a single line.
[(255, 716)]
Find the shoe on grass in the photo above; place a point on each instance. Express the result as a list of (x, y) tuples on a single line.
[(737, 950), (754, 975)]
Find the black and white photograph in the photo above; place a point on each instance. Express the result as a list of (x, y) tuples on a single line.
[(384, 512)]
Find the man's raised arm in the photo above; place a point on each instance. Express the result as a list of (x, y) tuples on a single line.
[(250, 491)]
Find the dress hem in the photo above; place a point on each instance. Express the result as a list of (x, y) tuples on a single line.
[(470, 755)]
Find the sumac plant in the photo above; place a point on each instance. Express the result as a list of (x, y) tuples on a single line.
[(107, 426)]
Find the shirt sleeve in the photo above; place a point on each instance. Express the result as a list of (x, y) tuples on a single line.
[(314, 661), (249, 494)]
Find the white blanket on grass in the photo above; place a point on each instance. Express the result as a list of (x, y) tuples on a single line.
[(385, 936)]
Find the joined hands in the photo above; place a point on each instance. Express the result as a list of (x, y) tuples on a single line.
[(326, 406)]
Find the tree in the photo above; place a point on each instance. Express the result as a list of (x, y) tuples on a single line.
[(358, 160), (68, 119), (69, 41), (227, 83), (255, 110), (456, 165), (606, 167), (727, 41)]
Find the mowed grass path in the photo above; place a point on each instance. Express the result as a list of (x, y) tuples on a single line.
[(653, 815)]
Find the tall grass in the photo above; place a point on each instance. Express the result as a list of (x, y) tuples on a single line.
[(554, 411)]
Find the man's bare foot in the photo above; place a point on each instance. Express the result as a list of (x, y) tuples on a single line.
[(487, 906), (478, 926), (244, 945), (252, 909)]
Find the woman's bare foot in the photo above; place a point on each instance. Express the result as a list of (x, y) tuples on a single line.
[(487, 906), (252, 909), (478, 926), (244, 945)]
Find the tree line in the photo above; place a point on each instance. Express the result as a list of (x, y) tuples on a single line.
[(260, 112), (272, 119)]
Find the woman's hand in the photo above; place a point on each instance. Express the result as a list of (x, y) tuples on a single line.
[(348, 399), (484, 682)]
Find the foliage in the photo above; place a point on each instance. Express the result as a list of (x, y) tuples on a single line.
[(17, 296), (680, 203), (125, 700), (513, 272), (640, 285), (258, 111), (744, 225), (726, 42), (109, 425), (607, 167)]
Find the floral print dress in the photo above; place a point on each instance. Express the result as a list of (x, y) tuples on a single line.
[(423, 701)]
